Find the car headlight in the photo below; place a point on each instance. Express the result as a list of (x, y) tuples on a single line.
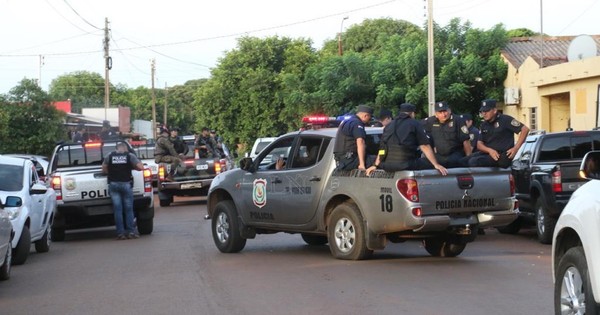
[(13, 213)]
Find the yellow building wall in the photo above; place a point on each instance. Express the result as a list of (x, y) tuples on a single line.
[(543, 88)]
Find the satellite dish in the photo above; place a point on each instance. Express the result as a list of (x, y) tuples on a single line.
[(583, 46)]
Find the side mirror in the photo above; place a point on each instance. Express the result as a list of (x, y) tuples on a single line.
[(590, 166), (38, 189), (246, 164), (13, 201)]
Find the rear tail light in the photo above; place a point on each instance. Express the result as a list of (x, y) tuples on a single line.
[(147, 180), (409, 189), (557, 181), (189, 162), (516, 205), (417, 212), (220, 166), (56, 185), (162, 173), (511, 179)]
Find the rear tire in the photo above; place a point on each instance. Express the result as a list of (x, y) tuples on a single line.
[(573, 289), (440, 247), (5, 269), (314, 240), (145, 227), (544, 223), (21, 252), (513, 228), (226, 228), (346, 233), (43, 244)]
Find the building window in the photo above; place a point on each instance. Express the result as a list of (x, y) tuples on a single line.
[(533, 118)]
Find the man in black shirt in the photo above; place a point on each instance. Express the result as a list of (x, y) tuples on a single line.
[(118, 166), (350, 150), (449, 135)]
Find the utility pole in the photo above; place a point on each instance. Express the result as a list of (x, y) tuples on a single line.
[(152, 70), (340, 49), (166, 100), (40, 71), (430, 58), (107, 67)]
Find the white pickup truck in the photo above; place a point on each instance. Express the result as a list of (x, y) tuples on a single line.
[(354, 213), (82, 189)]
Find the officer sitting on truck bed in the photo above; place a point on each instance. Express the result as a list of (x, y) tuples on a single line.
[(449, 136), (496, 137), (399, 144), (350, 150), (165, 152)]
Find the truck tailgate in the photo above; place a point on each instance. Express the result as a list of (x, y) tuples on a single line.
[(464, 191), (90, 184)]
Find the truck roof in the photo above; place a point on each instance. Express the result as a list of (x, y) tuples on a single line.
[(332, 131)]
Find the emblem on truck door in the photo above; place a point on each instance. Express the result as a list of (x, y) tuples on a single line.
[(70, 184), (259, 192)]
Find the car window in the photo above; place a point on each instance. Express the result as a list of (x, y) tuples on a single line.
[(83, 155), (280, 149), (12, 177), (309, 152), (581, 146), (145, 152), (554, 149)]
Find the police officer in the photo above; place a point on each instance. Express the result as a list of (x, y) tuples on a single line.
[(449, 136), (496, 137), (473, 131), (118, 166), (350, 150), (106, 133), (164, 152), (399, 143), (178, 144), (205, 145), (385, 117)]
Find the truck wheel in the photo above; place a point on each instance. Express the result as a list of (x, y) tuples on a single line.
[(315, 240), (440, 247), (21, 252), (513, 228), (226, 229), (346, 233), (545, 223), (5, 269), (57, 235), (43, 244), (145, 227), (165, 202), (164, 199), (572, 289)]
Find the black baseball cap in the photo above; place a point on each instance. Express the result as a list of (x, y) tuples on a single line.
[(364, 109), (441, 106), (487, 105), (384, 113), (407, 108)]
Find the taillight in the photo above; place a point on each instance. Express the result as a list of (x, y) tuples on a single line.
[(516, 205), (162, 173), (417, 212), (511, 179), (147, 180), (56, 185), (409, 189), (220, 166), (556, 181)]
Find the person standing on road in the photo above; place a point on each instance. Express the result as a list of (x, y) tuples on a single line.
[(496, 142), (350, 150), (449, 135), (165, 152), (118, 166), (400, 142)]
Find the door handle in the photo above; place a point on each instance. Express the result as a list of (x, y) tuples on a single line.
[(276, 181), (315, 179)]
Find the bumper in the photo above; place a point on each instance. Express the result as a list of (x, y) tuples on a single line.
[(186, 185), (485, 219)]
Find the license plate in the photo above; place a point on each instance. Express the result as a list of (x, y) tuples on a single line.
[(154, 168), (202, 167), (191, 185)]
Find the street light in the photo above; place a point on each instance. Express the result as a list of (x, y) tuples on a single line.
[(340, 52)]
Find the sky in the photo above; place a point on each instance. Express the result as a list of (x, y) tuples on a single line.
[(44, 39)]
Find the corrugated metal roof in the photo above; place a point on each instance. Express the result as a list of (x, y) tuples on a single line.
[(554, 50)]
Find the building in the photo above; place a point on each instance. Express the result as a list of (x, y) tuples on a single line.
[(547, 91)]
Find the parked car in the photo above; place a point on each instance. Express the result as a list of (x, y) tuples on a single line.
[(6, 234), (259, 145), (30, 204), (576, 246), (41, 163), (546, 174)]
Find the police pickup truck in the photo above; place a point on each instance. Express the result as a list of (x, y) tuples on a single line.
[(82, 189), (354, 213)]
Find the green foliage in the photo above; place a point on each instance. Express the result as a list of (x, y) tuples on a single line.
[(83, 88), (521, 32), (28, 123)]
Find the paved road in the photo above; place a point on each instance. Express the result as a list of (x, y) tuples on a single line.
[(178, 270)]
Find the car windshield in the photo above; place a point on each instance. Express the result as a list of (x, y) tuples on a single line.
[(12, 177)]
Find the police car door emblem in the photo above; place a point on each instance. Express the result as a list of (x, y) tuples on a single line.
[(70, 184), (259, 192)]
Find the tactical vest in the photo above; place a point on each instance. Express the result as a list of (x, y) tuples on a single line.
[(393, 150), (445, 137), (119, 167), (343, 142)]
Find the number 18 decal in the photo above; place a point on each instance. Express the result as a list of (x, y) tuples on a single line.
[(386, 203)]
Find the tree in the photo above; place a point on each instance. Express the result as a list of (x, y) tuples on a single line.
[(29, 123), (83, 88), (521, 32)]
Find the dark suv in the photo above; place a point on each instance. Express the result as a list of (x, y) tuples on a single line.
[(546, 172)]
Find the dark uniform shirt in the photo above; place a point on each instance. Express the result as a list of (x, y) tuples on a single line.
[(120, 166), (473, 137), (164, 146), (346, 136), (179, 146), (447, 137), (499, 133), (402, 137)]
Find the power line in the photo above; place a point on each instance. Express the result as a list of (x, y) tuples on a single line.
[(52, 42), (583, 12), (64, 18), (81, 17)]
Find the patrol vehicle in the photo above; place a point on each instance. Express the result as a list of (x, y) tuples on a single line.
[(82, 189), (356, 214)]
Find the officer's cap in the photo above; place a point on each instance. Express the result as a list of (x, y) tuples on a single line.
[(213, 131), (487, 105), (164, 130), (441, 106), (384, 113), (121, 144), (364, 109), (407, 108), (106, 123), (466, 116)]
